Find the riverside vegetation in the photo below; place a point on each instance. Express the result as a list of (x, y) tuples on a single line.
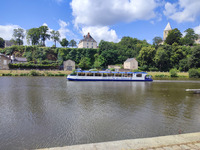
[(177, 54)]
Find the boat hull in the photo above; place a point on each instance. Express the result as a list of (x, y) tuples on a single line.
[(74, 78)]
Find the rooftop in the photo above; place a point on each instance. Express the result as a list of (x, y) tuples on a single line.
[(168, 27), (130, 59), (87, 38)]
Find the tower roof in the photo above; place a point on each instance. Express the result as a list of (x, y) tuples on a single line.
[(168, 27)]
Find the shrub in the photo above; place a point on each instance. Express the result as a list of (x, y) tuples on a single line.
[(7, 74), (173, 73), (136, 70), (144, 68), (112, 69), (161, 76), (153, 69), (34, 73), (194, 73)]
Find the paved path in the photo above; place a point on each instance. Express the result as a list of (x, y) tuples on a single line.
[(189, 141)]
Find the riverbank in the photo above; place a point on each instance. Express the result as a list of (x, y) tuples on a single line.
[(34, 73), (155, 75), (190, 141)]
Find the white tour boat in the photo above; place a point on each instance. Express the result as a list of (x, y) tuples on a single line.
[(108, 76)]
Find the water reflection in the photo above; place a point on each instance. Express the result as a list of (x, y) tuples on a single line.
[(48, 112)]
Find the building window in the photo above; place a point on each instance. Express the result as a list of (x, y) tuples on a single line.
[(87, 46), (92, 46), (92, 43), (87, 43)]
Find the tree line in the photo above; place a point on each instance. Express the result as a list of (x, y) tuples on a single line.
[(176, 52), (38, 36)]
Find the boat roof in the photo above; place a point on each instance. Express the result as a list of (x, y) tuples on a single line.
[(82, 71)]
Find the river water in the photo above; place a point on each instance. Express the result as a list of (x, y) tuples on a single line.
[(40, 112)]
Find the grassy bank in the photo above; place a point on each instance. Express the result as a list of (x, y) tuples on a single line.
[(34, 73), (167, 76), (57, 73)]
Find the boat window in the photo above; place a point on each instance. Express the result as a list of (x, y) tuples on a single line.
[(104, 74), (125, 75), (138, 75), (110, 74), (89, 74), (81, 74), (118, 74), (97, 74), (130, 74)]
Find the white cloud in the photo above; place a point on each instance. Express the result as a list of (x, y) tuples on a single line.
[(63, 29), (169, 9), (101, 33), (183, 11), (45, 24), (108, 12), (6, 31), (197, 29)]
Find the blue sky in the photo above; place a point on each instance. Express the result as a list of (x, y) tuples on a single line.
[(109, 20)]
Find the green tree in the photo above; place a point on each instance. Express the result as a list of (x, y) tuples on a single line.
[(146, 56), (194, 60), (55, 36), (44, 34), (157, 40), (183, 64), (64, 42), (177, 54), (33, 36), (162, 58), (85, 63), (130, 47), (110, 57), (19, 35), (174, 36), (2, 43), (99, 60), (72, 43), (190, 37), (104, 45)]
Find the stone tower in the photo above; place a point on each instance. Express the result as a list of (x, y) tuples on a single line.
[(166, 31)]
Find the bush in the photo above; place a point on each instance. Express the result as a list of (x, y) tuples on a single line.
[(194, 73), (161, 76), (136, 70), (34, 73), (173, 73), (33, 66), (144, 68), (7, 74), (153, 69)]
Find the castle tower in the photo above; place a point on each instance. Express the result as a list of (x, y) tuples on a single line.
[(166, 31)]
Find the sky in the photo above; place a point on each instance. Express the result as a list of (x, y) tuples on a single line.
[(108, 20)]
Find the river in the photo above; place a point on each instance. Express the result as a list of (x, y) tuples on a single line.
[(40, 112)]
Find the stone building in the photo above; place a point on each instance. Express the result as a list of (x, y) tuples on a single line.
[(4, 61), (131, 64), (87, 42), (69, 65), (166, 31)]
